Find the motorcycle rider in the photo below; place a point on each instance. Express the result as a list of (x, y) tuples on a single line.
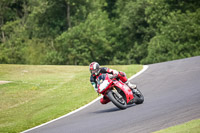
[(96, 70)]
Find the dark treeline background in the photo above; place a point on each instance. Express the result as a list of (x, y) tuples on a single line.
[(77, 32)]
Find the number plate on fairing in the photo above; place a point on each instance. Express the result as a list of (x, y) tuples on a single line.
[(104, 85)]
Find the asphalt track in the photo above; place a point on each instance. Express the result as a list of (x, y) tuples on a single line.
[(172, 96)]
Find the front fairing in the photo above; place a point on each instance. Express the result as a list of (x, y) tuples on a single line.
[(127, 91), (104, 83)]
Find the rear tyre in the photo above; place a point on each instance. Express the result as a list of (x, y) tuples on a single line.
[(140, 97), (119, 102)]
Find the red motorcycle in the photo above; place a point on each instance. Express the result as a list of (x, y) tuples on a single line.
[(117, 91)]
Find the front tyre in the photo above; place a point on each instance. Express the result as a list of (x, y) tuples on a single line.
[(120, 102)]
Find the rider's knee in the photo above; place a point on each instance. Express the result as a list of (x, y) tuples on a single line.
[(104, 100)]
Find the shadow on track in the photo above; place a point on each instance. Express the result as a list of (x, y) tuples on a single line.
[(107, 110), (114, 109)]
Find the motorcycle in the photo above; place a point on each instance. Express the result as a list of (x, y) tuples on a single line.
[(117, 91)]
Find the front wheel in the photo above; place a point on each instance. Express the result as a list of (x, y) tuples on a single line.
[(120, 102)]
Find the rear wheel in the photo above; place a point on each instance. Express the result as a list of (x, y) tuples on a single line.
[(140, 97), (120, 102)]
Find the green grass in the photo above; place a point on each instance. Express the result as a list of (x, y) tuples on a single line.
[(189, 127), (38, 94)]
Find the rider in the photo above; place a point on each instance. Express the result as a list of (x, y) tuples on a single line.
[(95, 70)]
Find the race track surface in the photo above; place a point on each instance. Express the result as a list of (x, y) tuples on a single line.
[(172, 96)]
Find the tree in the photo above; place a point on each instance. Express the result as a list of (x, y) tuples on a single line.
[(12, 15), (135, 30), (178, 39), (89, 41)]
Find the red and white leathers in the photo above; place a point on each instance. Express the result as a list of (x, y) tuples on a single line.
[(119, 75)]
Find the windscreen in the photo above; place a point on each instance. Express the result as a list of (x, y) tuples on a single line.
[(101, 79)]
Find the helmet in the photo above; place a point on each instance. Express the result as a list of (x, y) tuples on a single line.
[(94, 68)]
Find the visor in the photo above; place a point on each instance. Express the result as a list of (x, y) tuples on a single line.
[(96, 71)]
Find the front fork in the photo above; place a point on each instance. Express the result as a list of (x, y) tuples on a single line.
[(117, 93), (120, 96)]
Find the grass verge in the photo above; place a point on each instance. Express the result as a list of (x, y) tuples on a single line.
[(189, 127), (38, 94)]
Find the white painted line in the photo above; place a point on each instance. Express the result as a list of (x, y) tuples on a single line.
[(137, 74), (64, 115), (144, 68)]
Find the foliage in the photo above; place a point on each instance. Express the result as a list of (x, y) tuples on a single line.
[(108, 31), (178, 39), (91, 40), (135, 32)]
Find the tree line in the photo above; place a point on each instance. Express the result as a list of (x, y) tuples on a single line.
[(77, 32)]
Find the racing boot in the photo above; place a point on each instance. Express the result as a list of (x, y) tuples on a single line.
[(133, 87)]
